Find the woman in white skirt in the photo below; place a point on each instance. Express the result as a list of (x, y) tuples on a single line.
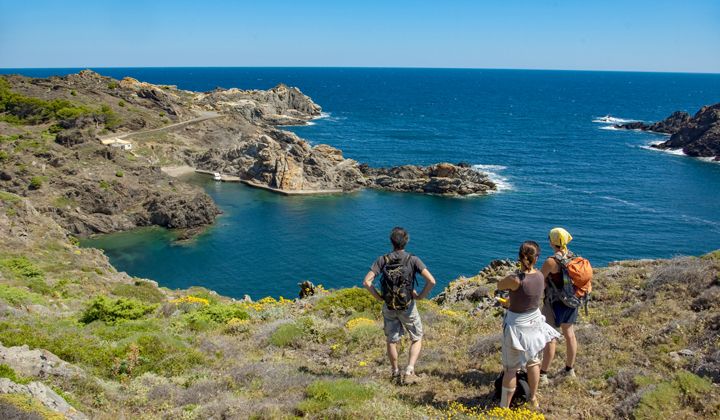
[(525, 332)]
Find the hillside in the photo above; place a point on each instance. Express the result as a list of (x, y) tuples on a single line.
[(102, 344)]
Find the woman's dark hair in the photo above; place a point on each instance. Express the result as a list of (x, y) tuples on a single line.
[(399, 238), (528, 254)]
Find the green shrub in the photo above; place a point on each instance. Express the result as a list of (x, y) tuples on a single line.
[(287, 335), (7, 372), (113, 85), (111, 311), (73, 93), (119, 174), (8, 197), (17, 296), (104, 184), (22, 268), (141, 290), (166, 355), (4, 156), (36, 182), (323, 394), (213, 315), (673, 397), (121, 104), (350, 300)]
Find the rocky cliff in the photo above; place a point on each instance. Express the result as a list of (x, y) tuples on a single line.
[(697, 135), (440, 179)]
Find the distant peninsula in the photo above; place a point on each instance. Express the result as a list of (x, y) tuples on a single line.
[(97, 154)]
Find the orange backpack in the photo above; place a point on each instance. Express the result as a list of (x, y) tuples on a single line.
[(577, 281)]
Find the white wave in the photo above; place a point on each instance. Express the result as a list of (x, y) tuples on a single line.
[(676, 152), (322, 115), (502, 182), (612, 120), (612, 128)]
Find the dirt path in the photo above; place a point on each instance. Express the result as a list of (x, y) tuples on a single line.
[(204, 116)]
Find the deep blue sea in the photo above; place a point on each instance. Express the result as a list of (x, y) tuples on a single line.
[(533, 130)]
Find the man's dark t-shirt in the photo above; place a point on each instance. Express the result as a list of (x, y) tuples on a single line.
[(415, 262)]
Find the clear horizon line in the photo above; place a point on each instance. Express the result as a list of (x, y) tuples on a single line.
[(367, 67)]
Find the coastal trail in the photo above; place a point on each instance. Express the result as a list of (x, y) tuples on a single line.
[(204, 116)]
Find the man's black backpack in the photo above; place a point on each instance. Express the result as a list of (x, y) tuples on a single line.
[(522, 389), (397, 281)]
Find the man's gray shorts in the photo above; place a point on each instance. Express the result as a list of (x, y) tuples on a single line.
[(396, 322)]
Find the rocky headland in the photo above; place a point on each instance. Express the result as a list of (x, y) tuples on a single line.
[(87, 150), (697, 135)]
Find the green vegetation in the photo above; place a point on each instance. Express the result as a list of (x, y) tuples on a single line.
[(4, 156), (113, 85), (674, 396), (104, 184), (212, 315), (119, 174), (36, 182), (337, 393), (22, 268), (19, 296), (287, 335), (121, 103), (7, 372), (28, 407), (16, 108), (350, 300), (112, 311), (141, 290), (8, 197)]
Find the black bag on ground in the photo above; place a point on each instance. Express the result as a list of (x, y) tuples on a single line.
[(522, 389), (397, 282)]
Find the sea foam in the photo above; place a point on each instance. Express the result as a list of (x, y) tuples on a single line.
[(500, 181)]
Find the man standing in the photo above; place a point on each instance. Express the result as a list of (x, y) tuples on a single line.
[(397, 290)]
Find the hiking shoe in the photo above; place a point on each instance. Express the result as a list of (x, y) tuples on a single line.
[(410, 378), (544, 379), (567, 373), (395, 379)]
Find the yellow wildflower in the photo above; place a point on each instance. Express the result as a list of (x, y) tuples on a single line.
[(358, 322), (191, 299)]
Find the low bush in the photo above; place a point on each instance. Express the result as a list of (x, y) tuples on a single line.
[(8, 372), (287, 335), (36, 183), (4, 156), (212, 315), (338, 393), (18, 296), (22, 268), (685, 391), (350, 300), (140, 290), (111, 311)]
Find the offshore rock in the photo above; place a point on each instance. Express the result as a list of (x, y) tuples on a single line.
[(697, 136), (441, 179)]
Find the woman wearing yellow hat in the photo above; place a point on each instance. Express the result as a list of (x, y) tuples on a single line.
[(556, 313)]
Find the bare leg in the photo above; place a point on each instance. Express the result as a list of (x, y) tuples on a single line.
[(569, 333), (548, 355), (392, 353), (533, 373), (508, 387), (415, 348)]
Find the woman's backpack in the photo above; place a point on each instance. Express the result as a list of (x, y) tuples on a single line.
[(577, 281), (522, 389), (397, 282)]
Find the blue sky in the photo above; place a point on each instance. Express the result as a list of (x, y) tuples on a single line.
[(590, 35)]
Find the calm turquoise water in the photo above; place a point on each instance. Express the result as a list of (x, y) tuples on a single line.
[(533, 129)]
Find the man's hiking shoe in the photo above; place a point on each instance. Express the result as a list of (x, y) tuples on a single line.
[(565, 373), (396, 379), (544, 381), (410, 377)]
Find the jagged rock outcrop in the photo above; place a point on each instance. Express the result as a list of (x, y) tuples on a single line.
[(476, 288), (281, 105), (44, 394), (441, 179), (697, 136), (280, 159), (36, 363)]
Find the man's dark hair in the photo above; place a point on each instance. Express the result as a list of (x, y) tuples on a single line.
[(399, 238)]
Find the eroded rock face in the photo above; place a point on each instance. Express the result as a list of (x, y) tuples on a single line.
[(441, 179), (44, 394), (280, 159), (36, 362), (697, 136), (281, 105)]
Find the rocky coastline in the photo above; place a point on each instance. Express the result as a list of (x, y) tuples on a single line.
[(697, 135), (87, 150)]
